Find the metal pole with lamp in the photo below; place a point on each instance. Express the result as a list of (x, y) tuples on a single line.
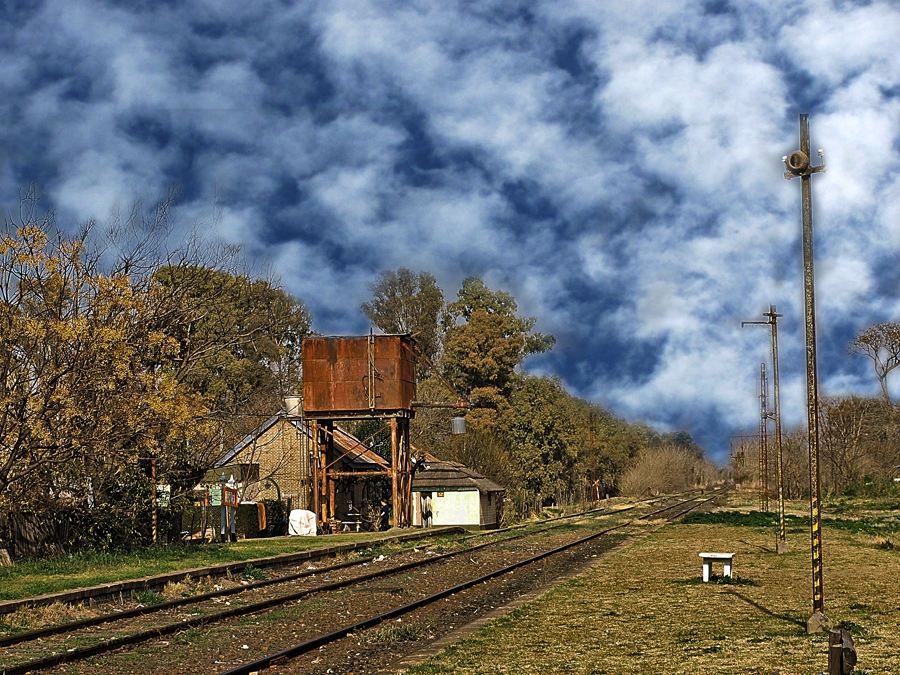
[(797, 164)]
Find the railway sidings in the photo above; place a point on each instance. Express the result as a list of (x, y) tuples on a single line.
[(356, 614)]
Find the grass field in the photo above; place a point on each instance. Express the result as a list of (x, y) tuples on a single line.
[(644, 609)]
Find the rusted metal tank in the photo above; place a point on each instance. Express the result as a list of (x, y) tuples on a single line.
[(346, 377)]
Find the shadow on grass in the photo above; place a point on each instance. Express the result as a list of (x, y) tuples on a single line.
[(736, 580), (740, 581), (766, 610), (767, 549)]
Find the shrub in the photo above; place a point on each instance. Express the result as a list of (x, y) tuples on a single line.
[(148, 597), (276, 517), (252, 573), (667, 469)]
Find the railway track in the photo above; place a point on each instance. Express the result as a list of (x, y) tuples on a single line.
[(77, 641), (319, 641)]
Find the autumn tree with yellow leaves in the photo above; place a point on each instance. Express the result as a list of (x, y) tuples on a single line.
[(108, 363)]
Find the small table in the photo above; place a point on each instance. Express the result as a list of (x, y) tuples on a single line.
[(710, 558)]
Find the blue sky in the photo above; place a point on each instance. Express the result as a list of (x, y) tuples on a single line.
[(616, 166)]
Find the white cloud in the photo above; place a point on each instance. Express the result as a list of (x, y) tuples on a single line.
[(614, 165), (836, 44)]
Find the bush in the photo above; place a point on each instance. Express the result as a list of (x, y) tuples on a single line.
[(873, 487), (148, 597), (252, 573), (666, 470), (276, 518)]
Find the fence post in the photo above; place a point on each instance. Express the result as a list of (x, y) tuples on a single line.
[(841, 653)]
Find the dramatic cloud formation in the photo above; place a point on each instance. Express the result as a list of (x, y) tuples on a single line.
[(614, 165)]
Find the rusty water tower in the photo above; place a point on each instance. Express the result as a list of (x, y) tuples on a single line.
[(353, 378)]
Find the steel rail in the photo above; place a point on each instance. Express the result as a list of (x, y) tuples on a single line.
[(321, 640), (72, 596), (602, 511), (18, 638), (81, 653)]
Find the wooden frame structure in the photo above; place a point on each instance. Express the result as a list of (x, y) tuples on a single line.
[(356, 378)]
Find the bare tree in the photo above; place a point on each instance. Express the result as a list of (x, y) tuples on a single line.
[(667, 469), (849, 429), (406, 302), (881, 343), (795, 463)]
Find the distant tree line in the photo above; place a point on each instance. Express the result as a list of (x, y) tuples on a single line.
[(859, 437), (525, 432)]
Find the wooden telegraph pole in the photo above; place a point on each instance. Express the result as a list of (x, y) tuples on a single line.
[(797, 164)]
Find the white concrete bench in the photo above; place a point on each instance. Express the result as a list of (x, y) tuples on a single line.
[(710, 558)]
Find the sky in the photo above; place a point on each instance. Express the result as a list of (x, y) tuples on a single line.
[(616, 166)]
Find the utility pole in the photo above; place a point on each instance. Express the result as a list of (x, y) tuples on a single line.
[(773, 316), (781, 545), (593, 480), (763, 439), (798, 165), (155, 533)]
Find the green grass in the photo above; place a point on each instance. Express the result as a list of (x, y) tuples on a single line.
[(873, 526), (27, 578), (720, 580), (740, 519), (882, 524), (8, 629), (148, 597)]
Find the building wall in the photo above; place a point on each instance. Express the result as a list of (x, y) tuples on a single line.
[(462, 508), (456, 508), (490, 509), (282, 454)]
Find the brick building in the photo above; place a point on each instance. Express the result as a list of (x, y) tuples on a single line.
[(273, 463)]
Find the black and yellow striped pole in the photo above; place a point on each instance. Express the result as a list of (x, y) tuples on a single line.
[(798, 164)]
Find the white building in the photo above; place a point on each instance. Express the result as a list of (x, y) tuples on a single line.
[(448, 493)]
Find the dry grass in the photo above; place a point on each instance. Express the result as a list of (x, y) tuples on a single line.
[(29, 618), (174, 590), (398, 632), (643, 610)]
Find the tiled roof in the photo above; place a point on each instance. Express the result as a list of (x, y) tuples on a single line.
[(451, 475)]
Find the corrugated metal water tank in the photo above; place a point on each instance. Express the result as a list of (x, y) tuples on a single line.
[(338, 376)]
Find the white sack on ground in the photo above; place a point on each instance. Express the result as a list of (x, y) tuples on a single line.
[(302, 523)]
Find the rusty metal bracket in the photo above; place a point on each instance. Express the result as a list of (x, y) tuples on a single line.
[(461, 402)]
